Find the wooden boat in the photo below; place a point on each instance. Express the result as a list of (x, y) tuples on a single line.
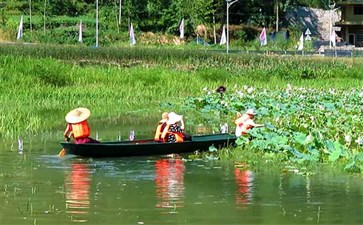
[(148, 147)]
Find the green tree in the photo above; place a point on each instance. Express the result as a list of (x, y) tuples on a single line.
[(68, 7)]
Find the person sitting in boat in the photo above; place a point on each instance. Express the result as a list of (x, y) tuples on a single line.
[(77, 126), (174, 132), (160, 128), (245, 122)]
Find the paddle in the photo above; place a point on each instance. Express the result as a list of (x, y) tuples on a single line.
[(62, 152)]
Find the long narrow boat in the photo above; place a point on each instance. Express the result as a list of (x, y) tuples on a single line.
[(148, 147)]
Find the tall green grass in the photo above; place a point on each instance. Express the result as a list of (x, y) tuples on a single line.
[(40, 84)]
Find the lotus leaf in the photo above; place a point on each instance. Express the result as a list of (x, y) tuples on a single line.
[(335, 155)]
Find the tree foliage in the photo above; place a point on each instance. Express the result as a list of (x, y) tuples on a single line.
[(57, 20), (164, 15)]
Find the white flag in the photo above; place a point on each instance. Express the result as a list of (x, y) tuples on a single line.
[(333, 38), (80, 39), (223, 37), (132, 35), (301, 43), (20, 29), (263, 37), (181, 29)]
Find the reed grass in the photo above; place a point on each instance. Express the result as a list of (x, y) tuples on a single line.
[(40, 84)]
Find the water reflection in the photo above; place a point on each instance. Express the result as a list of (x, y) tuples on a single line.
[(127, 190), (169, 183), (77, 185), (244, 181)]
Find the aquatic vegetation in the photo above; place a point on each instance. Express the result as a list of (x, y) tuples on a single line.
[(40, 83), (307, 124)]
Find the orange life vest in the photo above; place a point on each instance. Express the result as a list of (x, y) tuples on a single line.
[(178, 136), (243, 126), (159, 130), (81, 130)]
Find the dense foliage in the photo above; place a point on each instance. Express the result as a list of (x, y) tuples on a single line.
[(161, 14), (51, 20), (306, 124), (38, 80), (315, 119)]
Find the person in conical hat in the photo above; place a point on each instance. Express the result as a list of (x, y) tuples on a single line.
[(245, 122), (174, 132), (77, 126)]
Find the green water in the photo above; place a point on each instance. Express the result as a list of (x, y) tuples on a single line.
[(37, 187)]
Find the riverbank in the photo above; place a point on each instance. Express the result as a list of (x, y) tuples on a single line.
[(47, 80), (40, 84)]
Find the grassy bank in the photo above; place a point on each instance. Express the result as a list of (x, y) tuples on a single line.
[(39, 84)]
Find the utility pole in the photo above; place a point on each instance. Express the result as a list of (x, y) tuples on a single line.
[(119, 13), (96, 45), (277, 16), (229, 3)]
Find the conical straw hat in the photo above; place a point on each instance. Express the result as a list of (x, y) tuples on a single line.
[(78, 115), (251, 112), (173, 118)]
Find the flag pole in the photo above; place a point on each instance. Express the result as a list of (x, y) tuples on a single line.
[(227, 36), (214, 28), (119, 13), (229, 3)]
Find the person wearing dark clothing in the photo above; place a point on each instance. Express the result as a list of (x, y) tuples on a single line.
[(174, 132)]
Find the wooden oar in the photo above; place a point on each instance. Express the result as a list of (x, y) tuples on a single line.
[(62, 153)]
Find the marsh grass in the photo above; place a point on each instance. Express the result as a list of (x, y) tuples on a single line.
[(40, 84), (259, 161)]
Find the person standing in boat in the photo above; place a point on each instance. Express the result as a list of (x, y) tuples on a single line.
[(77, 126), (174, 132), (161, 126), (245, 122)]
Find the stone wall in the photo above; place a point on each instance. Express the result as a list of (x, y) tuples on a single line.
[(317, 20)]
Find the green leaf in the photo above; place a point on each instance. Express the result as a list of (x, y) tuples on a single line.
[(330, 146), (269, 126), (300, 138), (359, 157), (212, 149), (337, 145), (242, 140), (280, 140), (335, 155), (349, 165)]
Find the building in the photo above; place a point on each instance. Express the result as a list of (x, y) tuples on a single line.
[(351, 22)]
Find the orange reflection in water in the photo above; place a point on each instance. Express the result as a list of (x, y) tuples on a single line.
[(169, 182), (78, 192), (244, 181)]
